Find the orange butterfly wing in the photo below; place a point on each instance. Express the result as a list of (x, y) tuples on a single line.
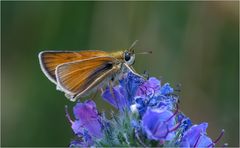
[(49, 60), (79, 77)]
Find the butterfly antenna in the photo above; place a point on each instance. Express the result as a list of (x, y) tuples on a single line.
[(131, 47), (144, 52)]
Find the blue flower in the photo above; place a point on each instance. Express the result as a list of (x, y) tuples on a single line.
[(144, 93), (186, 123), (166, 89), (141, 105), (152, 94), (196, 136), (131, 83), (159, 124), (116, 97), (121, 96), (149, 117)]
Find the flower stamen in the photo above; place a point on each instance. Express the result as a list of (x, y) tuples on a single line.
[(175, 127), (174, 114), (218, 138)]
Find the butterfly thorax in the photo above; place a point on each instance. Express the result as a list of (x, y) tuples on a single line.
[(118, 55)]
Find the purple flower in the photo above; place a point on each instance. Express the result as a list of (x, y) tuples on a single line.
[(159, 124), (87, 118), (149, 88), (196, 136), (87, 124)]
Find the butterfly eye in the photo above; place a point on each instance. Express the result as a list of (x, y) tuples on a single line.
[(127, 56)]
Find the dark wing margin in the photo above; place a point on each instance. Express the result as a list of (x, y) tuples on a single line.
[(46, 70)]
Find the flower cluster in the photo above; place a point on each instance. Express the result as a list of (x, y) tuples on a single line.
[(148, 116)]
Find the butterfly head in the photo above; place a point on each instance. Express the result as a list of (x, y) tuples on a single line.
[(129, 57), (129, 54)]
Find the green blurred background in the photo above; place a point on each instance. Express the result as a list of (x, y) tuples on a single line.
[(193, 43)]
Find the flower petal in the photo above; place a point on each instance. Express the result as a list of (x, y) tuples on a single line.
[(83, 110), (166, 89), (87, 119), (196, 136), (158, 123), (116, 97), (131, 83), (149, 88)]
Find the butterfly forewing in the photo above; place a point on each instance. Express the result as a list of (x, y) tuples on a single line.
[(78, 77), (49, 60)]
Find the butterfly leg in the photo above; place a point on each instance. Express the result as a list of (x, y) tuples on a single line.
[(94, 94), (132, 70)]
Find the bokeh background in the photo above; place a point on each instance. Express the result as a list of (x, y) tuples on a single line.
[(195, 44)]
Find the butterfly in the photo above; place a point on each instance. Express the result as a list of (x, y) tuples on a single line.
[(79, 73)]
